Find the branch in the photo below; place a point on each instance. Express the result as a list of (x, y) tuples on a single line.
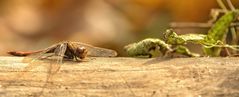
[(195, 25)]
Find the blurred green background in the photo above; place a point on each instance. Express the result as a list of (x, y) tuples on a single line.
[(36, 24)]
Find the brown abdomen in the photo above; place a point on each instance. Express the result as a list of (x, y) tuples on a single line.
[(19, 53)]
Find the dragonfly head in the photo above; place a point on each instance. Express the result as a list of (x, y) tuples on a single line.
[(81, 52)]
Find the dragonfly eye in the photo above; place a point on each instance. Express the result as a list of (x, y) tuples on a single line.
[(81, 52)]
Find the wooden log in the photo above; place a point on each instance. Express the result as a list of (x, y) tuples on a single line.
[(123, 77)]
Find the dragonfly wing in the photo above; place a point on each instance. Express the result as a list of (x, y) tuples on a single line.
[(60, 52), (40, 55), (54, 66), (34, 60), (97, 51), (55, 51), (58, 57)]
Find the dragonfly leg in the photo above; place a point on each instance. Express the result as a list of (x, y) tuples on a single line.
[(68, 57), (75, 57)]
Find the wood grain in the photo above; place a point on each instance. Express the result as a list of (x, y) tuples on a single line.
[(123, 77)]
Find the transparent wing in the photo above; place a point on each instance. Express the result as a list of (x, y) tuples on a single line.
[(34, 60), (40, 55), (52, 65), (59, 56), (96, 51)]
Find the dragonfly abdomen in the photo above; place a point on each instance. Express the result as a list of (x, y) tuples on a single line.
[(19, 53)]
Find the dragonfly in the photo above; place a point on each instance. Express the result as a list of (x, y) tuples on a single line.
[(74, 51), (69, 50)]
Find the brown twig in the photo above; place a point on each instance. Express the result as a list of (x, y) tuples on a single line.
[(196, 25), (222, 5), (230, 5)]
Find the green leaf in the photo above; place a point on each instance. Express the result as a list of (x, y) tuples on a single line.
[(148, 47), (219, 31), (172, 38)]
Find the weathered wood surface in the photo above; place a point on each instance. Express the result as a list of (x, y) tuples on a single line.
[(124, 77)]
